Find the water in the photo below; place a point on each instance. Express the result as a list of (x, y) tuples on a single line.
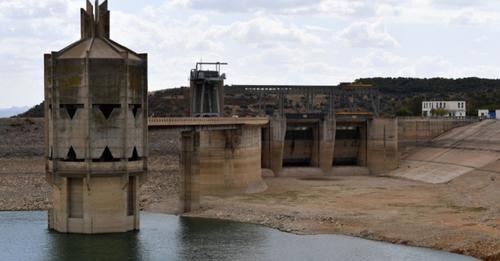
[(24, 236)]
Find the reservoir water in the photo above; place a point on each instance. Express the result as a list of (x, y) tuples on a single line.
[(24, 236)]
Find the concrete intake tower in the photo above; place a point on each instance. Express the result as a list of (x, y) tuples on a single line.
[(95, 130)]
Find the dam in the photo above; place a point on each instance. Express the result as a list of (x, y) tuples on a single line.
[(96, 130)]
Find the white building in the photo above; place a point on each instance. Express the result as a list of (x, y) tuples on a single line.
[(448, 108), (485, 114), (489, 114)]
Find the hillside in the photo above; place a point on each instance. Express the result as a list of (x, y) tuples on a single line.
[(403, 96), (8, 112), (399, 97)]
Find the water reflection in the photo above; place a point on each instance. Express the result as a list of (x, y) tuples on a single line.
[(24, 236), (210, 239), (88, 247)]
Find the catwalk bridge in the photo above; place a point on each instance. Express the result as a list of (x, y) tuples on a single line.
[(212, 123)]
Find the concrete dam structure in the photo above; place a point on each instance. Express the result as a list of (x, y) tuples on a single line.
[(97, 127), (224, 156), (322, 142), (95, 130)]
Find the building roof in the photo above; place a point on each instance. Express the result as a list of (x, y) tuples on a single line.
[(95, 38), (97, 48)]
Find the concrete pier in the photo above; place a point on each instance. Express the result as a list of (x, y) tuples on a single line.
[(189, 172), (277, 127), (382, 145), (327, 144)]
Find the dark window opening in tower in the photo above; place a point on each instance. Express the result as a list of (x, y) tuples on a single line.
[(71, 109), (106, 157), (107, 109), (135, 155), (135, 108), (71, 156)]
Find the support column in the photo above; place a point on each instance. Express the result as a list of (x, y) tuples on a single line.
[(362, 152), (316, 143), (190, 172), (277, 143), (327, 144), (382, 145), (266, 148)]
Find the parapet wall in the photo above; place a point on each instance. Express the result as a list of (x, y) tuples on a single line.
[(416, 130)]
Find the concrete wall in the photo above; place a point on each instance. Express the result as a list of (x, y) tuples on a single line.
[(230, 161), (415, 130), (221, 163), (105, 210), (382, 145)]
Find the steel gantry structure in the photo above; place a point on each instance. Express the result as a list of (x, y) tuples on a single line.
[(344, 93)]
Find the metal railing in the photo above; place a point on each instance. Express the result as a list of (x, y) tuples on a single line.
[(191, 121), (466, 118)]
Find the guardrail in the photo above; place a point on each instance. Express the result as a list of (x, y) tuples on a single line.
[(191, 121), (467, 118)]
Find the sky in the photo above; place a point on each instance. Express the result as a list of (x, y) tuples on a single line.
[(264, 41)]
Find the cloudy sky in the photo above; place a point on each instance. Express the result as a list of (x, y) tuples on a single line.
[(264, 41)]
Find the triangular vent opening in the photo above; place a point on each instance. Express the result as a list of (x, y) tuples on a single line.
[(135, 155), (71, 156), (106, 109), (135, 108), (106, 156), (71, 109)]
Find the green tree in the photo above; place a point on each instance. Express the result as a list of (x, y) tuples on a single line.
[(439, 112)]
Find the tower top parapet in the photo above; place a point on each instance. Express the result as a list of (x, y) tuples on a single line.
[(95, 42), (95, 24)]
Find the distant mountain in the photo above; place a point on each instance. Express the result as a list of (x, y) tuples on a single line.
[(12, 111), (33, 112)]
